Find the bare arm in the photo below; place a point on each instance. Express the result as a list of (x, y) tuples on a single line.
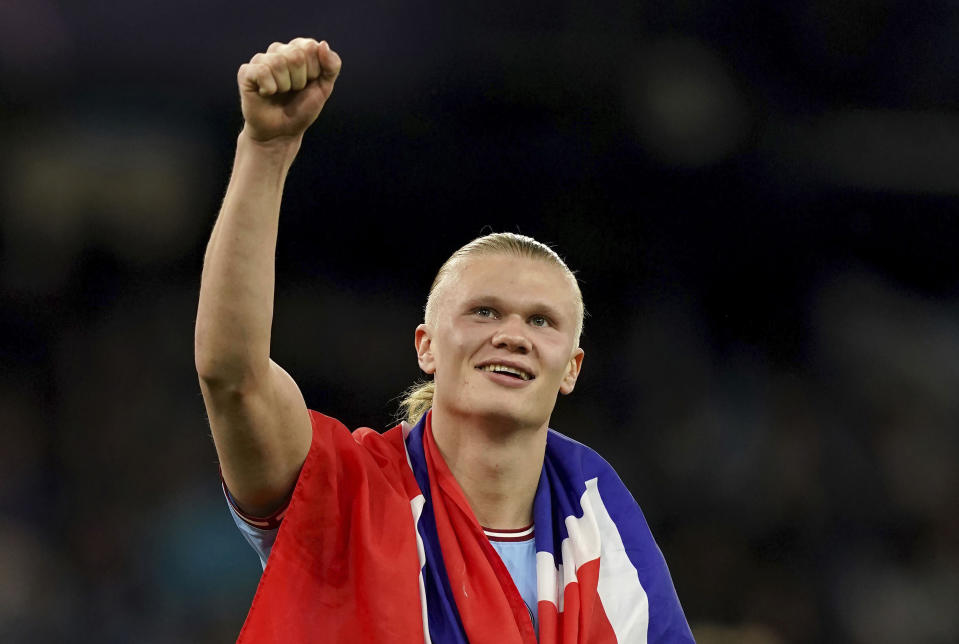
[(260, 423)]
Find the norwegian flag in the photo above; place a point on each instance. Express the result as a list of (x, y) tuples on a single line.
[(379, 545)]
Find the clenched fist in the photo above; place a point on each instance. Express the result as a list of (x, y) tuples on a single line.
[(283, 90)]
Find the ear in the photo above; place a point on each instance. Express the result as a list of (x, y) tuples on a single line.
[(572, 372), (424, 349)]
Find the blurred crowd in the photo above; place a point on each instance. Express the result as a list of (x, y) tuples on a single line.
[(759, 199)]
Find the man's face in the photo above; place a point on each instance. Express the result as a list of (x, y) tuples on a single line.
[(502, 341)]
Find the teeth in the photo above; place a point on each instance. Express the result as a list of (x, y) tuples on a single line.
[(504, 368)]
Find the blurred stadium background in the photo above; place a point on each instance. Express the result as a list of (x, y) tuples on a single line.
[(760, 199)]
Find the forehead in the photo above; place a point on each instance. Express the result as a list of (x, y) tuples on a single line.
[(513, 279)]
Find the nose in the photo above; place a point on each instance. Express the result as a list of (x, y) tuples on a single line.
[(510, 335)]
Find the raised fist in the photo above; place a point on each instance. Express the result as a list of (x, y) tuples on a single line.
[(283, 90)]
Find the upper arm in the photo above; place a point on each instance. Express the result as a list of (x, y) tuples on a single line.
[(262, 432)]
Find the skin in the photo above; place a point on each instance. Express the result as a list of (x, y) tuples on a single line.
[(491, 428)]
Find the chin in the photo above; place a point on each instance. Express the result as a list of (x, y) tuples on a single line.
[(510, 415)]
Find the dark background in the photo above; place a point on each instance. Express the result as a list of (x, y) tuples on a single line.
[(760, 200)]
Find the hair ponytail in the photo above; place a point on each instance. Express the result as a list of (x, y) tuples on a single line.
[(417, 400)]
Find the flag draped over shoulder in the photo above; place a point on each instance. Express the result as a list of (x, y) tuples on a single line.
[(380, 545)]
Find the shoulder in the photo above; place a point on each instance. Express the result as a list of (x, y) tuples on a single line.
[(368, 446), (569, 450), (324, 426), (579, 466)]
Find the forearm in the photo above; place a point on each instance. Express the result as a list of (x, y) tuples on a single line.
[(235, 314)]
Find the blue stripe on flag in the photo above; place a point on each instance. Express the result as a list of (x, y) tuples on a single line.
[(443, 616)]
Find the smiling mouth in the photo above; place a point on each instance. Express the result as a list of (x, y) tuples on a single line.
[(513, 372)]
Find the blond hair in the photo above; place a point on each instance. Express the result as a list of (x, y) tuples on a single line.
[(418, 399)]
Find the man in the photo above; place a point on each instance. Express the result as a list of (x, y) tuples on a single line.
[(471, 522)]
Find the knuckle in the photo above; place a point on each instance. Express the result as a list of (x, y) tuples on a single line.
[(276, 62), (296, 57), (263, 81)]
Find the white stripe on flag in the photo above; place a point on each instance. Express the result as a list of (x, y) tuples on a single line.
[(623, 596), (416, 504), (547, 590), (596, 535)]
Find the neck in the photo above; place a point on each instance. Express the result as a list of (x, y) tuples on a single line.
[(497, 467)]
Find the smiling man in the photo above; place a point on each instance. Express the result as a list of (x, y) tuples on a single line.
[(501, 339), (470, 522)]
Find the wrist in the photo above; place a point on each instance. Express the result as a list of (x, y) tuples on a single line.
[(281, 148)]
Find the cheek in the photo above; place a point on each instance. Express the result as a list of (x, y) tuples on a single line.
[(559, 360), (452, 347), (464, 340)]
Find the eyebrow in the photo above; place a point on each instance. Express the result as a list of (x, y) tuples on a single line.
[(498, 303)]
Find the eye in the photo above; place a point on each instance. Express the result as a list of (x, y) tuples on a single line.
[(484, 312), (539, 320)]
